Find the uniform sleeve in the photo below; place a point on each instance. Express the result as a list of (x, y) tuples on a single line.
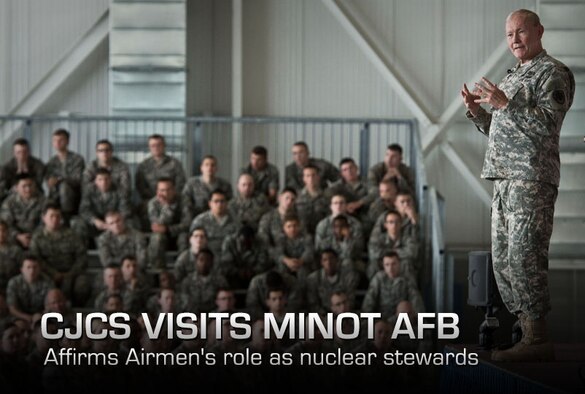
[(370, 303), (554, 98)]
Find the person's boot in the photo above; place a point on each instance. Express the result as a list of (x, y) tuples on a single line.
[(534, 345)]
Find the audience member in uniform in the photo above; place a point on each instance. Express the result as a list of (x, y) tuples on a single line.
[(22, 162), (393, 239), (99, 198), (25, 294), (266, 176), (22, 210), (218, 222), (64, 174), (63, 255), (169, 223), (185, 263), (389, 287), (301, 159), (392, 168), (105, 159), (197, 191), (312, 204)]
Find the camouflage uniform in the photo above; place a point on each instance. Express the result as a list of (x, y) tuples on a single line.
[(200, 291), (149, 171), (10, 259), (385, 293), (111, 248), (320, 287), (176, 217), (523, 159), (62, 251), (378, 171), (36, 169), (353, 193), (22, 216), (249, 210), (235, 260), (294, 174), (405, 246), (120, 176), (268, 178), (184, 265), (376, 209), (295, 286), (131, 299), (196, 193), (312, 210), (27, 298), (68, 191), (407, 227), (216, 231), (349, 251), (95, 205), (298, 248), (324, 233), (270, 229)]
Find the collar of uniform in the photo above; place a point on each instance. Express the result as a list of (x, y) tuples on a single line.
[(530, 64)]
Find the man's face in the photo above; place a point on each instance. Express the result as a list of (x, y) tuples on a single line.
[(246, 186), (56, 301), (391, 266), (25, 188), (104, 153), (276, 301), (311, 178), (382, 335), (349, 172), (387, 191), (257, 162), (103, 182), (218, 204), (392, 223), (11, 340), (338, 206), (165, 192), (339, 228), (198, 240), (30, 270), (393, 158), (116, 224), (129, 269), (167, 300), (20, 152), (300, 155), (402, 203), (524, 37), (291, 228), (287, 200), (60, 142), (52, 219), (339, 304), (208, 167), (112, 278), (329, 263), (225, 301), (156, 146), (203, 264)]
